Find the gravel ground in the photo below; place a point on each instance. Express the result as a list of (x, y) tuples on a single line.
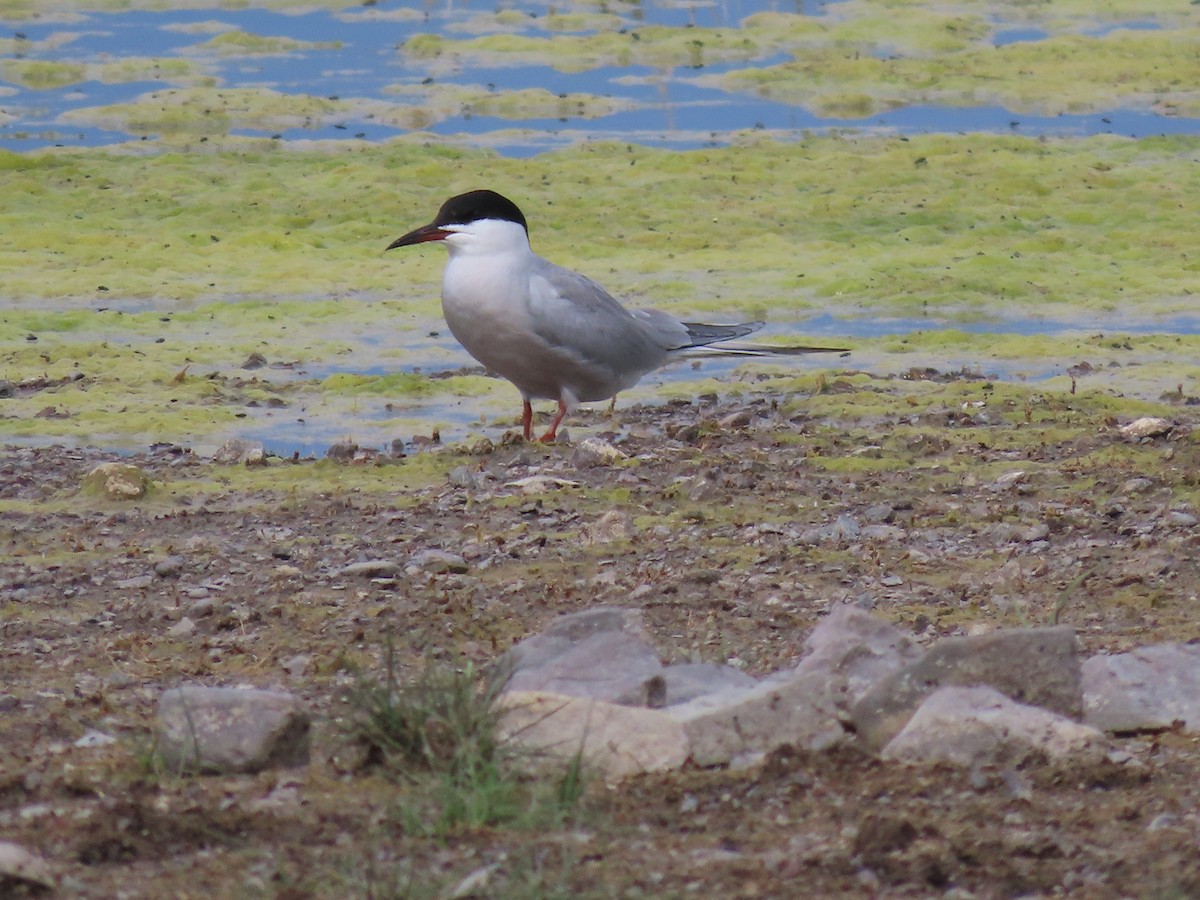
[(734, 527)]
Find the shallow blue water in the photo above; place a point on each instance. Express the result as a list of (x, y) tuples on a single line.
[(671, 111)]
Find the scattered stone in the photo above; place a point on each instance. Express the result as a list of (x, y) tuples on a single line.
[(1010, 479), (593, 452), (171, 567), (342, 451), (685, 682), (223, 730), (1149, 689), (599, 653), (1033, 665), (117, 481), (614, 525), (181, 629), (371, 568), (23, 867), (434, 560), (464, 477), (852, 644), (94, 738), (618, 741), (202, 608), (975, 726), (239, 452), (794, 708), (541, 484), (298, 664), (1136, 486), (1147, 426)]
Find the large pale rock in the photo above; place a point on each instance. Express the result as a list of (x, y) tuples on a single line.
[(117, 481), (685, 682), (618, 741), (213, 729), (855, 645), (801, 709), (599, 653), (972, 726), (1149, 689), (1032, 665), (19, 866)]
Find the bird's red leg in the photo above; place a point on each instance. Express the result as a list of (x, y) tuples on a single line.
[(550, 435), (527, 420)]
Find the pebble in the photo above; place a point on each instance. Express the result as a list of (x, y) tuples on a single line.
[(434, 560), (20, 865), (1147, 426), (183, 628), (170, 567), (372, 568)]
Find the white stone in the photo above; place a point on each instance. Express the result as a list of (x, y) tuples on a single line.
[(970, 726), (1148, 689), (862, 648), (19, 864), (1146, 426), (797, 708), (618, 741)]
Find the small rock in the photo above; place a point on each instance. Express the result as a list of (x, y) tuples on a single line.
[(342, 451), (20, 865), (171, 567), (1038, 532), (117, 481), (614, 525), (619, 741), (1136, 486), (212, 729), (1147, 426), (599, 653), (464, 477), (202, 608), (796, 708), (239, 452), (372, 568), (1148, 689), (434, 560), (1009, 479), (975, 726), (593, 452), (739, 419), (298, 664), (1033, 665), (93, 738), (181, 629), (685, 682), (852, 644), (541, 484), (254, 361)]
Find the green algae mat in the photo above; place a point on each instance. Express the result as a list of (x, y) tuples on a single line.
[(202, 285)]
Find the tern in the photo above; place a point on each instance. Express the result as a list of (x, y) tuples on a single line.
[(555, 334)]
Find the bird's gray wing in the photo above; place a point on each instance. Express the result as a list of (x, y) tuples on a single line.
[(570, 311)]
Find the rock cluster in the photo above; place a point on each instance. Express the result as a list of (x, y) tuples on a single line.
[(593, 684)]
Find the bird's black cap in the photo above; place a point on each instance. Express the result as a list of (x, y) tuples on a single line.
[(463, 209), (476, 205)]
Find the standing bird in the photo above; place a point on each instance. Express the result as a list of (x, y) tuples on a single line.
[(553, 333)]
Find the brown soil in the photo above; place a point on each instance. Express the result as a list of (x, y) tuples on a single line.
[(717, 537)]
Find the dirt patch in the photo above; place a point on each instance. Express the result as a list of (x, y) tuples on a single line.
[(1025, 510)]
